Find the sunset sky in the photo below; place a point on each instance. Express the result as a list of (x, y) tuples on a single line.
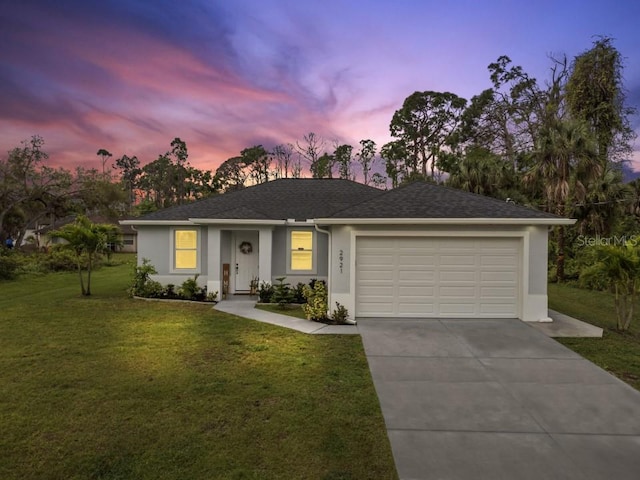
[(130, 75)]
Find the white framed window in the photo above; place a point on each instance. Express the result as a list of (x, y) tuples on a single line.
[(301, 251), (185, 250)]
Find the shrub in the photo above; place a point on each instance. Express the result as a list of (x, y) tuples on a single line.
[(190, 290), (142, 285), (313, 281), (282, 294), (201, 294), (316, 306), (61, 260), (618, 266), (340, 315), (170, 291), (31, 263), (151, 289), (266, 292), (298, 293), (9, 264), (212, 296)]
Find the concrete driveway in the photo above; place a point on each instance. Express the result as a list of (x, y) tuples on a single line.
[(497, 399)]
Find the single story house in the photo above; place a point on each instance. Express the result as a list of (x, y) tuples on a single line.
[(420, 250), (128, 235)]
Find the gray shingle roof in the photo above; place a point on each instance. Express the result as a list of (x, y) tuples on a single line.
[(303, 199), (425, 200), (282, 199)]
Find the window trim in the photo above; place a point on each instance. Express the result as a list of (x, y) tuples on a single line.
[(172, 266), (314, 249)]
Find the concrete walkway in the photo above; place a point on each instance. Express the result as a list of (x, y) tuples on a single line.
[(498, 399), (566, 326), (245, 307)]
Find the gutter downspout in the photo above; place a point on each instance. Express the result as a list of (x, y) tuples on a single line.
[(348, 321)]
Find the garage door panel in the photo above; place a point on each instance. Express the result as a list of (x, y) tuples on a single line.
[(457, 291), (377, 261), (416, 260), (507, 276), (377, 310), (457, 275), (454, 309), (496, 309), (469, 281), (374, 275), (498, 252), (412, 243), (416, 299), (416, 311), (372, 291), (407, 291), (501, 292), (414, 249), (437, 277), (497, 260), (457, 260), (377, 300), (417, 275)]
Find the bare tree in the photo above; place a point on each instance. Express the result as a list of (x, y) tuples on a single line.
[(283, 155), (311, 149)]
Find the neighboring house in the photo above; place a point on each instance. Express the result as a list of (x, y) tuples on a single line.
[(129, 239), (420, 250), (31, 235), (128, 235)]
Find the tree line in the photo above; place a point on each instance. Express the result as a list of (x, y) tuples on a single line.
[(31, 191)]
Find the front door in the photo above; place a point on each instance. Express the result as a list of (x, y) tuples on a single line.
[(246, 248)]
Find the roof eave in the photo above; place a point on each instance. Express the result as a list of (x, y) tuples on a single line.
[(444, 221), (155, 222), (235, 221), (203, 221)]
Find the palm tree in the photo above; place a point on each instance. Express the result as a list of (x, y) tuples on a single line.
[(606, 199), (633, 207), (618, 267), (479, 171), (86, 240), (565, 161)]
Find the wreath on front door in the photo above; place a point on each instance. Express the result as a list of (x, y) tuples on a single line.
[(246, 247)]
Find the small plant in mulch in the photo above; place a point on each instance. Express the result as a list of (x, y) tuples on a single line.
[(340, 315), (282, 294), (265, 293)]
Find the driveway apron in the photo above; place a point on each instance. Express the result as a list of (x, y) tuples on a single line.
[(496, 399)]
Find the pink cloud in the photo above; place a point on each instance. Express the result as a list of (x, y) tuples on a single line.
[(130, 78)]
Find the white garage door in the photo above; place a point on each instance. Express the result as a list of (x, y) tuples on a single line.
[(437, 277)]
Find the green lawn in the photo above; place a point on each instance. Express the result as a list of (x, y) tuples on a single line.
[(108, 387), (292, 310), (616, 352)]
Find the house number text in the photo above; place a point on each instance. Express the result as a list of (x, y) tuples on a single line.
[(341, 258)]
